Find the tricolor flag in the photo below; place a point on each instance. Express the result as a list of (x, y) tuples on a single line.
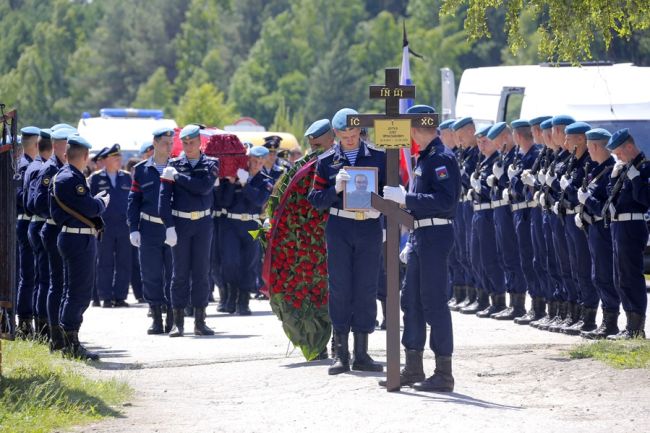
[(406, 168)]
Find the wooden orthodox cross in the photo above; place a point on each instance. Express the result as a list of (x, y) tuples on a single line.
[(392, 132)]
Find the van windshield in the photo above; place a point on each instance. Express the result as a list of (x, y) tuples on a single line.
[(640, 130)]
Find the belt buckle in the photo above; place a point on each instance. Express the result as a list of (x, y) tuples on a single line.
[(195, 215), (245, 217), (360, 216)]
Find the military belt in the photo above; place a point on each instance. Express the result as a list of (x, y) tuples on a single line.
[(426, 222), (218, 213), (482, 206), (358, 216), (629, 217), (78, 231), (498, 203), (50, 221), (523, 205), (37, 219), (463, 198), (23, 217), (194, 215), (244, 216), (570, 211), (150, 218)]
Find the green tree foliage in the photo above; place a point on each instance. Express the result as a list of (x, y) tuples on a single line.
[(157, 92), (205, 104), (286, 122)]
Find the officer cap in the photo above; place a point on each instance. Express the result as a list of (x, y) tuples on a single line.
[(62, 125), (482, 132), (520, 123), (496, 129), (421, 109), (318, 128), (340, 119), (113, 150), (190, 131), (29, 131), (598, 134), (146, 147), (461, 122), (446, 124), (618, 138), (45, 133), (577, 128), (77, 140), (537, 120), (259, 151), (272, 141), (546, 124), (562, 119), (163, 132), (62, 133)]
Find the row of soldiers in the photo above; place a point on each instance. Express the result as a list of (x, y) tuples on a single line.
[(554, 208)]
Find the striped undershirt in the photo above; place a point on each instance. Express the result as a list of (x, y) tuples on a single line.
[(351, 155), (160, 168), (193, 162)]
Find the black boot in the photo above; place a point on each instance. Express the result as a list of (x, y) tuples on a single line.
[(470, 297), (231, 299), (497, 306), (178, 330), (587, 322), (412, 371), (57, 341), (74, 349), (517, 308), (634, 329), (560, 316), (362, 361), (342, 358), (25, 329), (157, 324), (572, 316), (221, 307), (188, 311), (41, 329), (383, 312), (454, 300), (481, 302), (169, 319), (242, 303), (537, 311), (333, 347), (553, 308), (200, 327), (442, 379), (608, 327)]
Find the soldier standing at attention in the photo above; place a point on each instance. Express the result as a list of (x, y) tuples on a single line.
[(185, 206), (432, 202), (354, 241)]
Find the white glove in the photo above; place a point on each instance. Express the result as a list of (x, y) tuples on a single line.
[(341, 177), (168, 173), (395, 193), (476, 182), (135, 239), (170, 236), (104, 196), (497, 169), (512, 171), (564, 182), (617, 169), (527, 178), (383, 236), (470, 194), (243, 176), (550, 178), (632, 173), (541, 177), (578, 221), (491, 180), (216, 182), (462, 171), (505, 195), (542, 199), (404, 254), (267, 224), (536, 197), (612, 210), (583, 195), (556, 208)]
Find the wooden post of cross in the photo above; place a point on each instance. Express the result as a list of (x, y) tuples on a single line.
[(392, 132)]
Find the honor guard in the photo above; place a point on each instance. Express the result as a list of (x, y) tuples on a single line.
[(628, 201), (185, 206), (147, 231), (79, 214), (113, 250), (354, 241), (271, 165), (432, 200)]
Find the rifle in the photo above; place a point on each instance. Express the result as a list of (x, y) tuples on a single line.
[(476, 173), (516, 162), (583, 188), (540, 160), (501, 163), (561, 209), (607, 216), (550, 170)]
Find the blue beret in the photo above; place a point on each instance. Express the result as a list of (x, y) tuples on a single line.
[(146, 147), (562, 119), (62, 125), (259, 151), (45, 132), (62, 133), (113, 150), (577, 128), (163, 132), (190, 131), (29, 131), (318, 128), (496, 129), (598, 134), (76, 140), (462, 122), (482, 132), (537, 120), (520, 123), (446, 124), (340, 119), (421, 109), (546, 124), (618, 138)]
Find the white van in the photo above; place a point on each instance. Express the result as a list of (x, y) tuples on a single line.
[(129, 127)]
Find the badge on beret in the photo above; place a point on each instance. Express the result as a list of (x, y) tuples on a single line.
[(46, 180), (441, 172), (81, 190)]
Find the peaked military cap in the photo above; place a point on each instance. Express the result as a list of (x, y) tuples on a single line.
[(598, 134), (618, 138), (539, 119), (100, 155), (340, 119), (562, 119), (272, 141), (190, 131), (113, 150), (29, 131), (520, 123), (163, 132), (77, 140), (577, 128), (318, 128), (496, 129)]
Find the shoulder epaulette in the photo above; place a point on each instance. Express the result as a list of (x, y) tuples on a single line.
[(211, 158), (126, 172), (94, 173), (178, 158), (144, 161), (326, 154), (374, 147)]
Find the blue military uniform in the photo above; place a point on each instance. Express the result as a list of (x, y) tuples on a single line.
[(272, 143), (114, 248)]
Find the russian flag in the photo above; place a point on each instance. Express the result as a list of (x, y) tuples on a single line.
[(406, 167)]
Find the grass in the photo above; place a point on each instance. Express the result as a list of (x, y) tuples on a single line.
[(619, 354), (40, 392)]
